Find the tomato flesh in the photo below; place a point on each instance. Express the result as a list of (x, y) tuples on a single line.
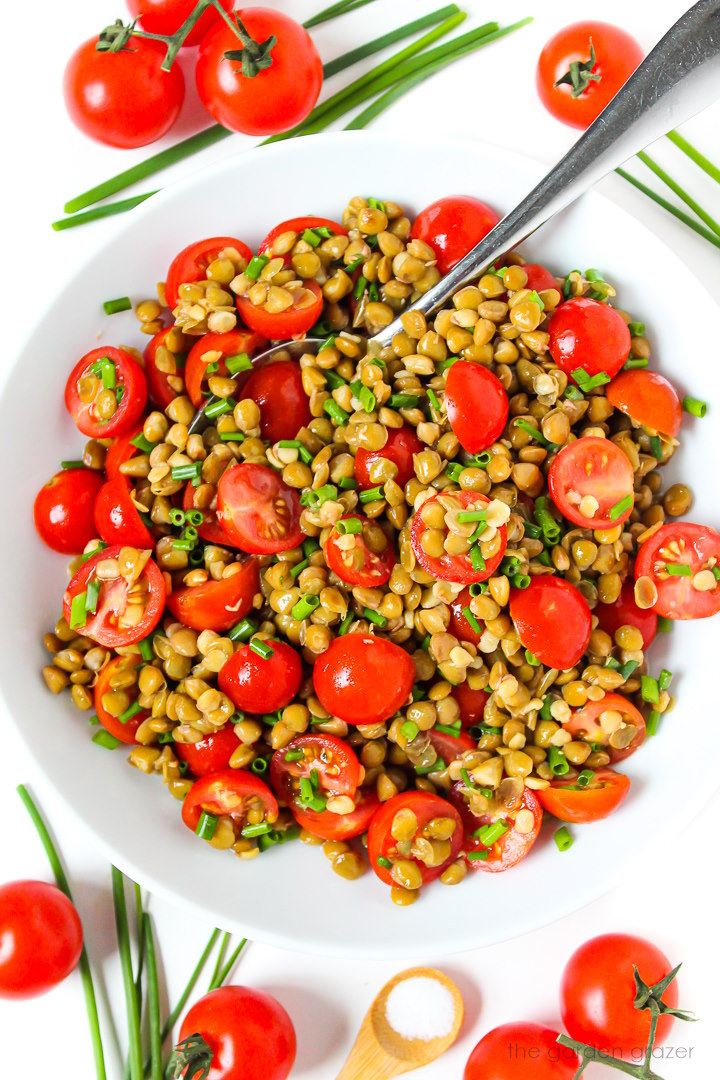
[(401, 444), (233, 343), (452, 226), (677, 545), (124, 730), (192, 262), (105, 625), (649, 398), (283, 325), (328, 760), (553, 621), (348, 555), (512, 847), (595, 467), (565, 800), (41, 939), (63, 510), (476, 404), (363, 679), (587, 334), (257, 511), (128, 376), (217, 605), (226, 794), (585, 723), (259, 685), (425, 806), (339, 826), (456, 568)]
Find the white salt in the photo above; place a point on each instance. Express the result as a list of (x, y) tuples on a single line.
[(420, 1008)]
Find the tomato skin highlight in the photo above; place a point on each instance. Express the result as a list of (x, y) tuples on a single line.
[(452, 226), (298, 225), (41, 938), (578, 807), (275, 99), (229, 344), (591, 466), (512, 847), (598, 989), (125, 732), (259, 686), (457, 568), (63, 510), (401, 444), (625, 612), (249, 499), (374, 571), (166, 16), (113, 596), (212, 754), (363, 679), (649, 398), (553, 621), (476, 404), (425, 806), (617, 55), (284, 406), (224, 793), (533, 1050), (122, 99), (191, 263), (249, 1032), (217, 605), (128, 374), (281, 326), (587, 334), (677, 599), (117, 518), (585, 721)]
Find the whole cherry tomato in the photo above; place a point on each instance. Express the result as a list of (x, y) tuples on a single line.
[(63, 510), (401, 444), (284, 406), (588, 335), (522, 1052), (452, 226), (363, 679), (40, 936), (259, 685), (553, 620), (211, 754), (477, 405)]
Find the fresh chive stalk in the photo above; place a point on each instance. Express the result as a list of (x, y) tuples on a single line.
[(131, 1002)]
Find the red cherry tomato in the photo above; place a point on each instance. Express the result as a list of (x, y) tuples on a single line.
[(160, 391), (649, 398), (217, 605), (472, 704), (167, 16), (539, 278), (41, 938), (585, 722), (452, 226), (598, 991), (191, 263), (565, 800), (587, 334), (105, 625), (121, 450), (248, 1032), (332, 762), (282, 325), (227, 794), (476, 404), (401, 444), (257, 685), (349, 556), (298, 225), (128, 375), (211, 754), (509, 849), (553, 621), (450, 747), (532, 1049), (676, 545), (456, 568), (625, 612), (425, 806), (117, 519), (616, 57), (459, 626), (276, 98), (124, 730), (124, 98), (233, 343), (257, 511), (340, 826), (363, 679), (596, 467), (63, 510), (284, 406)]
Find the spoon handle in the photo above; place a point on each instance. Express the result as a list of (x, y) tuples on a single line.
[(676, 80)]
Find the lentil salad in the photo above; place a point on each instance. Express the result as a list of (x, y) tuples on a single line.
[(380, 596)]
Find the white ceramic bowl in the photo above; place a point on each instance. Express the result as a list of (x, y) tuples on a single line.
[(289, 897)]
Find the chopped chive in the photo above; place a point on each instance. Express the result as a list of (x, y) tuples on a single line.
[(360, 287), (194, 517), (255, 267), (664, 625), (294, 755), (243, 630), (318, 496), (471, 515), (656, 447), (78, 611), (100, 546), (573, 393), (305, 606), (182, 543), (634, 363), (219, 408), (557, 761), (347, 483), (349, 525), (627, 669), (563, 839), (403, 401), (355, 263), (678, 570), (177, 516), (72, 464), (206, 826), (259, 765), (93, 592), (535, 298), (132, 710), (477, 856), (589, 382), (716, 572), (649, 689), (309, 546), (433, 399), (299, 567), (472, 621), (476, 558), (620, 507), (453, 470), (295, 444), (481, 461), (311, 237), (373, 293), (371, 495), (144, 445), (533, 432), (375, 617), (418, 692), (653, 720), (335, 413), (238, 362), (333, 380), (105, 739), (694, 406), (664, 679), (612, 663), (424, 770), (345, 625), (585, 777), (637, 329), (449, 729), (385, 863), (409, 729), (262, 649), (520, 581), (531, 659), (146, 649), (256, 830), (112, 307), (186, 472), (489, 834), (327, 343)]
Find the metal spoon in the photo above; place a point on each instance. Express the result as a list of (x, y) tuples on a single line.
[(679, 78)]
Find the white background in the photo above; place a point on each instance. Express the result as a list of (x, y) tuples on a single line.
[(490, 96)]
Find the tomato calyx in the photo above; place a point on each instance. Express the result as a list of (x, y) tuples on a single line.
[(254, 56), (580, 74), (191, 1057)]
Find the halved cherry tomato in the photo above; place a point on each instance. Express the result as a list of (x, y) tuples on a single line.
[(104, 625), (299, 225), (566, 800), (456, 568), (625, 612), (124, 731), (595, 467), (232, 343), (649, 398), (283, 325), (553, 620), (587, 334), (257, 511), (450, 747), (42, 938), (585, 723), (129, 377), (425, 806), (472, 703), (459, 626), (257, 685), (160, 392), (452, 226), (533, 1050), (211, 754), (167, 16), (340, 826), (539, 278), (121, 450), (401, 444), (349, 556), (217, 605), (227, 794), (363, 679), (676, 545), (117, 519), (209, 529), (284, 406), (63, 510), (191, 263), (512, 847), (477, 405), (331, 762)]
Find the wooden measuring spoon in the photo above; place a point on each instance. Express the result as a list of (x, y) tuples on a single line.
[(380, 1052)]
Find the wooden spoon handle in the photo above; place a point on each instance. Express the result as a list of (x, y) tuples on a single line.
[(368, 1060)]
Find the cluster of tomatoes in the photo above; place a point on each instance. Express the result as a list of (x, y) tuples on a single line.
[(122, 95)]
